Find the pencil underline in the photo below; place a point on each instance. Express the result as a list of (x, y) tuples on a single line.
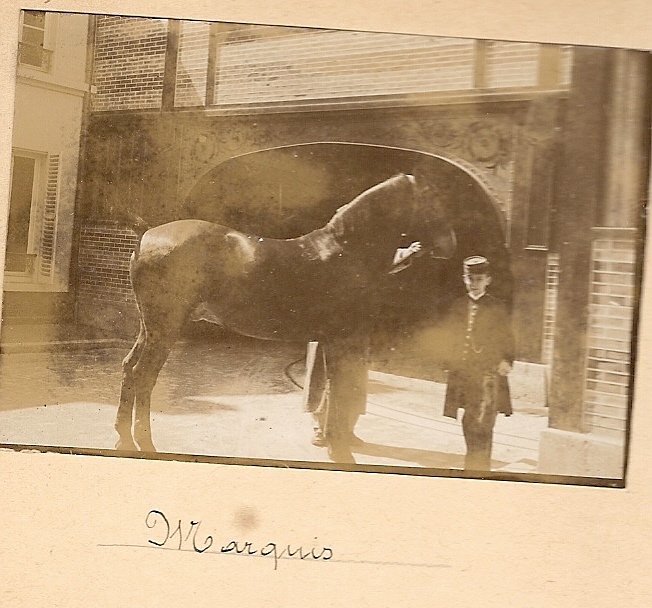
[(279, 558)]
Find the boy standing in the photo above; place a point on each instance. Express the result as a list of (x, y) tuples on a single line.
[(481, 357)]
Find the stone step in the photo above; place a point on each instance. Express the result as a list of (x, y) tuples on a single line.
[(61, 345), (40, 337)]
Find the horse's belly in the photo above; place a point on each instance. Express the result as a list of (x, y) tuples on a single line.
[(278, 311)]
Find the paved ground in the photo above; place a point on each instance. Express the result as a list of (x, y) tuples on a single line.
[(234, 399)]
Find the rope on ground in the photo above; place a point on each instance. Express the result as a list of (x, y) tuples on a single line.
[(288, 373)]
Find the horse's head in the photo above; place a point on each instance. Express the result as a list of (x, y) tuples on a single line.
[(430, 220), (378, 220)]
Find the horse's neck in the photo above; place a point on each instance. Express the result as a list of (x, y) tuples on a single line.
[(319, 244), (366, 223), (325, 244), (369, 235), (370, 226), (372, 250)]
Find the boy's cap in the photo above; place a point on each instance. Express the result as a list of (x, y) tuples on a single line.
[(476, 264)]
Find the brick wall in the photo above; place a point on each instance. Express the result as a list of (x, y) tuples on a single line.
[(129, 63), (610, 333), (105, 249)]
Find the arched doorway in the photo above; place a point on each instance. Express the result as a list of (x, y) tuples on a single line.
[(287, 191)]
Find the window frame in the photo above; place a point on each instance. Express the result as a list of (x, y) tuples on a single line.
[(31, 274), (48, 41)]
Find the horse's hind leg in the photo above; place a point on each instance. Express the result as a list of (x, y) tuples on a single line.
[(162, 321), (124, 416), (166, 292), (145, 373)]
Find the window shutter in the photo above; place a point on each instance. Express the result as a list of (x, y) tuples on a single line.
[(49, 226)]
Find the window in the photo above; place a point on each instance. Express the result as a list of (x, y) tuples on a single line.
[(22, 210), (32, 49), (32, 216)]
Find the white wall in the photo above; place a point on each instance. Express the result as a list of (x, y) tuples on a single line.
[(47, 119)]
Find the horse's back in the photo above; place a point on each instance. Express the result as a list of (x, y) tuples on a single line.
[(166, 238)]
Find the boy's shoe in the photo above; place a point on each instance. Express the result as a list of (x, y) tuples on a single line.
[(319, 439)]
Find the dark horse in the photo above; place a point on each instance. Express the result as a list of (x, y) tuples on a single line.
[(320, 286)]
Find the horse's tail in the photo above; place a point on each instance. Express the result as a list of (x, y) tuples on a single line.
[(137, 224), (132, 221)]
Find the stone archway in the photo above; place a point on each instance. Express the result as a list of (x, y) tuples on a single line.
[(286, 191), (270, 185)]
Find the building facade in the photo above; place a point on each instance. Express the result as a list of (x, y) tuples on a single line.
[(51, 91), (175, 99)]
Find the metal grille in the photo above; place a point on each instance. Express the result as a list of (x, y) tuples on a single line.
[(192, 64), (333, 64), (609, 339), (512, 64), (550, 307)]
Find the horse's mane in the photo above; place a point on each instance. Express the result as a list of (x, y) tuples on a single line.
[(356, 215)]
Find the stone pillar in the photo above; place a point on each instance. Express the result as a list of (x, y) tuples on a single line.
[(577, 200), (600, 194), (628, 142)]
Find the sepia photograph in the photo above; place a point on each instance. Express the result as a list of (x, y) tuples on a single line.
[(325, 304), (323, 248)]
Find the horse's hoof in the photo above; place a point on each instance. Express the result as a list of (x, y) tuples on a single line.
[(146, 446), (126, 446)]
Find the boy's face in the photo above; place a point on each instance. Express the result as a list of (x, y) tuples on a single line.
[(476, 284)]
